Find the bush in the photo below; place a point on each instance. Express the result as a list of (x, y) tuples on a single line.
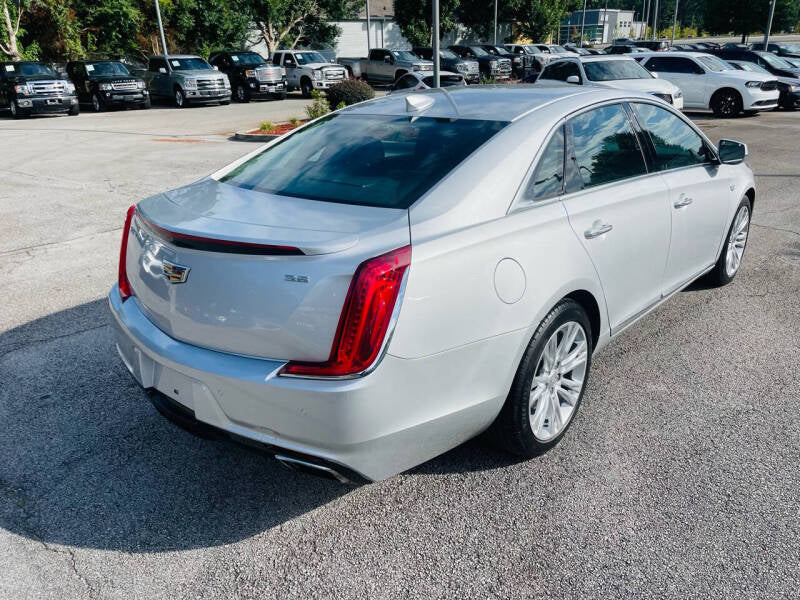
[(319, 107), (267, 126), (349, 91)]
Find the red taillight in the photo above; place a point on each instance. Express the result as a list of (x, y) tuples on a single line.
[(365, 318), (125, 290)]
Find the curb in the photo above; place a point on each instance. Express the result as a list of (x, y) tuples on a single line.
[(241, 136)]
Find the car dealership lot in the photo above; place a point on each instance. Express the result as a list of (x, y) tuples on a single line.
[(678, 478)]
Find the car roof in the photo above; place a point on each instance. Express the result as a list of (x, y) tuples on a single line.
[(495, 103), (679, 54), (175, 56), (603, 57)]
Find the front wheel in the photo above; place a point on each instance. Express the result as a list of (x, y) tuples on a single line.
[(180, 98), (97, 104), (726, 103), (730, 259), (74, 110), (242, 95), (305, 87), (281, 96), (549, 383), (16, 113)]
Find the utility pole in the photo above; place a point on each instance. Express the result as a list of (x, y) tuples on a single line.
[(655, 19), (435, 22), (645, 18), (369, 33), (583, 24), (769, 24), (161, 30), (605, 17), (495, 23), (674, 22)]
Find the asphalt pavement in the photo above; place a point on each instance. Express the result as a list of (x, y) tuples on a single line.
[(678, 479)]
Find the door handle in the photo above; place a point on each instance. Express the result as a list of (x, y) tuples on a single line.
[(597, 230), (682, 201)]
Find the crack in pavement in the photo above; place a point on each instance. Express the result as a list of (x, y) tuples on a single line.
[(45, 244), (773, 228), (28, 343)]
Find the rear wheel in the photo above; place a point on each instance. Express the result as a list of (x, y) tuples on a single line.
[(726, 103), (549, 383), (730, 259), (305, 87), (242, 95), (180, 98)]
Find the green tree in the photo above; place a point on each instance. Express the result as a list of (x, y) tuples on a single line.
[(414, 17), (537, 19), (111, 26), (743, 17), (10, 31)]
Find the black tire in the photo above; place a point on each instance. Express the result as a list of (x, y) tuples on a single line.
[(242, 94), (720, 275), (726, 103), (399, 73), (179, 98), (74, 110), (97, 103), (281, 96), (225, 103), (788, 103), (512, 428), (146, 104), (16, 113), (306, 87)]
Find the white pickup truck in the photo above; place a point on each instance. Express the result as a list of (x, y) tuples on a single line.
[(307, 70)]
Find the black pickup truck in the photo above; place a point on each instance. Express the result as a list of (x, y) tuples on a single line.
[(28, 88), (251, 76), (107, 84)]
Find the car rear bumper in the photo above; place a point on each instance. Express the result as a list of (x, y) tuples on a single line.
[(44, 106), (401, 414)]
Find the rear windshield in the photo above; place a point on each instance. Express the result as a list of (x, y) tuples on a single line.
[(612, 70), (369, 160)]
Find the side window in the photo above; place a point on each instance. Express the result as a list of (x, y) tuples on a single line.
[(152, 66), (672, 64), (560, 71), (605, 147), (276, 58), (549, 174), (676, 143), (405, 82)]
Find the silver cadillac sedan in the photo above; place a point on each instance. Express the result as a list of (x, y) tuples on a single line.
[(399, 276)]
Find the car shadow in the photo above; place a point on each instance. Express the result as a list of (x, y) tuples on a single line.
[(86, 461)]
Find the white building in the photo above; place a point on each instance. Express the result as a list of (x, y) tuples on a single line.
[(601, 26)]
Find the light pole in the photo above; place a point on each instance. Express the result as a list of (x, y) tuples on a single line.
[(495, 23), (583, 24), (161, 29), (645, 18), (655, 18), (769, 24), (435, 23), (674, 22), (369, 33)]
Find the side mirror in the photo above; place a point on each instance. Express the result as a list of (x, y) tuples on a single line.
[(573, 79), (162, 70), (655, 75), (216, 68), (387, 59), (731, 152)]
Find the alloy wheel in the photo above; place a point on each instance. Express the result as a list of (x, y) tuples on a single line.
[(737, 241), (179, 98), (96, 103), (727, 104), (558, 381), (13, 106), (240, 93)]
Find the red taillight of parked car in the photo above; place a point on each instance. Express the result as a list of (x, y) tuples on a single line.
[(366, 316), (125, 290)]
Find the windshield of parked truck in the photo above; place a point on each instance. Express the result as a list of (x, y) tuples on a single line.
[(478, 51), (774, 61), (447, 54), (28, 69), (612, 70), (404, 55), (247, 58), (189, 64), (369, 160), (306, 58), (559, 50), (106, 68)]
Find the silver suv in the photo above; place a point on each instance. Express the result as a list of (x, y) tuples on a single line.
[(187, 79)]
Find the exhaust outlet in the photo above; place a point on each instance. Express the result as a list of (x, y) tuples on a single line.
[(304, 466)]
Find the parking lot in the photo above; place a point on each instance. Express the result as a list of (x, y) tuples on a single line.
[(678, 479)]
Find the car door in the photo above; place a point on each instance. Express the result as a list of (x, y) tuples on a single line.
[(699, 193), (684, 73), (618, 211), (157, 80)]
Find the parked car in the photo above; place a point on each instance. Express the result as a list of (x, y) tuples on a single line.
[(250, 75), (774, 64), (105, 84), (537, 57), (384, 65), (490, 66), (521, 64), (708, 83), (651, 45), (430, 267), (423, 80), (622, 49), (782, 49), (186, 79), (708, 45), (789, 87), (450, 61), (611, 71), (308, 70), (570, 47), (33, 88)]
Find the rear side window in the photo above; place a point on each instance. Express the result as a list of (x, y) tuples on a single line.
[(369, 160), (549, 173), (605, 147), (672, 64), (676, 144), (561, 70)]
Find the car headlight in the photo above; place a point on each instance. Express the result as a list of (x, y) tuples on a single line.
[(23, 89), (226, 82), (794, 88), (105, 86), (70, 87), (249, 73), (753, 84), (140, 85), (190, 84)]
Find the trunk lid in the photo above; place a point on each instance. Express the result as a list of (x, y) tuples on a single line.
[(265, 275)]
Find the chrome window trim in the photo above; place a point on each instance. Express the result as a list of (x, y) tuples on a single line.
[(519, 202)]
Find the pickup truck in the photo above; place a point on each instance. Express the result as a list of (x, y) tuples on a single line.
[(28, 88), (187, 79), (107, 84), (385, 66), (307, 70), (250, 75)]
